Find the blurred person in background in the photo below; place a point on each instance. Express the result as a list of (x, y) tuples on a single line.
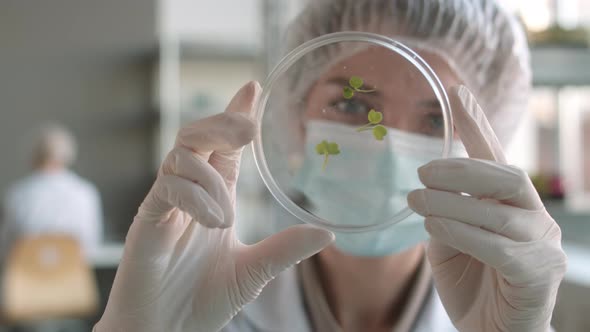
[(53, 199)]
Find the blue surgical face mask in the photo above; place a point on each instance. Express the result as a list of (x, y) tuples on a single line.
[(366, 184)]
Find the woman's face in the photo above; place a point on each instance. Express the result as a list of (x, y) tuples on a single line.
[(401, 93)]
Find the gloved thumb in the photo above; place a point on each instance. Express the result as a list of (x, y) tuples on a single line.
[(227, 163), (282, 250), (473, 127)]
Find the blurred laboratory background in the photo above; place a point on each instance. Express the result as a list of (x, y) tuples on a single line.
[(119, 77)]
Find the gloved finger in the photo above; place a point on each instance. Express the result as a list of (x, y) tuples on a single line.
[(227, 161), (519, 263), (172, 191), (481, 178), (514, 223), (473, 127), (282, 250), (222, 132), (439, 253), (482, 244), (183, 163)]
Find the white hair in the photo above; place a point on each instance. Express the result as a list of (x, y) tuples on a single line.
[(54, 144)]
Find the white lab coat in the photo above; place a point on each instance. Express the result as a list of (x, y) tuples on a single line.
[(60, 202), (280, 308)]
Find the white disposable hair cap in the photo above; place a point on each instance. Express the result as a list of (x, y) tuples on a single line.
[(54, 144), (480, 41)]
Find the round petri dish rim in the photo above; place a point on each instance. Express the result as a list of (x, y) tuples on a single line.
[(286, 63)]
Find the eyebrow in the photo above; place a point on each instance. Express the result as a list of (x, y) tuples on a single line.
[(341, 81), (430, 103)]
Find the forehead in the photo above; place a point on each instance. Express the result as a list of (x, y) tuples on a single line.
[(388, 71)]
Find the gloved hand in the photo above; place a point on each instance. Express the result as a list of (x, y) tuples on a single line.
[(496, 254), (183, 268)]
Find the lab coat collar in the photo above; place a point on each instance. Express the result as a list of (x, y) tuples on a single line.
[(279, 306)]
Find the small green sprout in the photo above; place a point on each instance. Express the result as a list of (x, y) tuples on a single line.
[(375, 119), (356, 82), (379, 132), (355, 85), (348, 92), (327, 149)]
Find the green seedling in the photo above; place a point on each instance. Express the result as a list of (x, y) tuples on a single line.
[(327, 149), (375, 119), (348, 92), (379, 132), (355, 85)]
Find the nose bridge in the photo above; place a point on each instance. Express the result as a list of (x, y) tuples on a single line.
[(398, 112)]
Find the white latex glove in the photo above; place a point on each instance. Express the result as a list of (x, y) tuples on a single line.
[(496, 255), (183, 268)]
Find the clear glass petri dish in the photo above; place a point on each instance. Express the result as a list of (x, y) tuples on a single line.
[(346, 120)]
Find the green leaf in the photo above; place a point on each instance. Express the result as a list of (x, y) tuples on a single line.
[(379, 132), (356, 82), (327, 149), (333, 149), (322, 147), (347, 92), (375, 117)]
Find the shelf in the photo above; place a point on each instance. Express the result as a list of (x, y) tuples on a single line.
[(557, 66), (197, 50)]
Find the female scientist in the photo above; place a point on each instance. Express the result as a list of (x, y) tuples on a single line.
[(493, 261)]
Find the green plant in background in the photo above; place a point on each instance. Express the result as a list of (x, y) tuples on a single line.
[(375, 119), (355, 85), (327, 149), (559, 36)]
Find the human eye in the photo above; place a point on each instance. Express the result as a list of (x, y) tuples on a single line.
[(434, 124), (436, 121), (351, 107)]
